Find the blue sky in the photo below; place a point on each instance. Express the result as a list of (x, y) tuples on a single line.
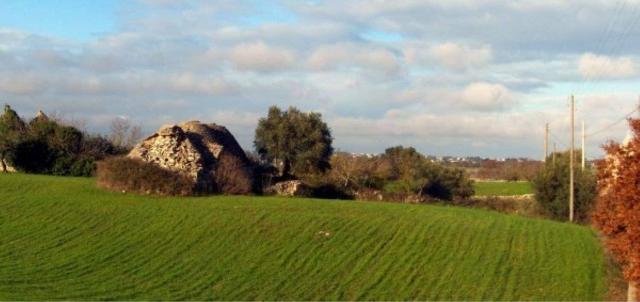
[(455, 77), (78, 20)]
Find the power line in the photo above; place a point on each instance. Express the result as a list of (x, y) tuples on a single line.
[(557, 140), (604, 42), (617, 44), (627, 116)]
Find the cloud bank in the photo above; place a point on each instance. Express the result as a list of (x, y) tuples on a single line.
[(448, 77)]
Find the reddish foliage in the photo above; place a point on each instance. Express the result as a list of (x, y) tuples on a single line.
[(617, 212)]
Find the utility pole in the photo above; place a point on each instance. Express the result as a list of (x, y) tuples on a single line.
[(584, 138), (571, 159), (546, 142)]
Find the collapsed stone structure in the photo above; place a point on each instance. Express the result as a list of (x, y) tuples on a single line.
[(290, 188), (207, 153)]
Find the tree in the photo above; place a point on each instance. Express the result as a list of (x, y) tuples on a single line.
[(33, 156), (11, 129), (47, 146), (445, 183), (617, 210), (354, 171), (551, 188), (124, 134), (296, 142), (99, 147), (412, 172), (404, 162)]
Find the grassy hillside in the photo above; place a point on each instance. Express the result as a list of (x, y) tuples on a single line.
[(502, 188), (60, 238)]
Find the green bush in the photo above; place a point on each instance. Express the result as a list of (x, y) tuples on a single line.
[(31, 156), (399, 171), (98, 147), (410, 172), (48, 147), (132, 175), (329, 191), (61, 164), (551, 188), (448, 183), (83, 167), (397, 186)]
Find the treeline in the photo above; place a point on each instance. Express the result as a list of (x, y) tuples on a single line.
[(48, 146), (298, 146), (398, 172), (289, 145)]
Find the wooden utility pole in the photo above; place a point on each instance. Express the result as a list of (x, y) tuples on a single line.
[(571, 159), (632, 292), (584, 138), (546, 142)]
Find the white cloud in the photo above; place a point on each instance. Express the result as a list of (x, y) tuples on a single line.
[(258, 56), (190, 83), (328, 57), (20, 85), (434, 126), (460, 72), (593, 66), (486, 96), (459, 57), (539, 5), (477, 96)]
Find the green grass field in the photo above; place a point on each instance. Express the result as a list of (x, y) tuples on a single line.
[(61, 238), (502, 188)]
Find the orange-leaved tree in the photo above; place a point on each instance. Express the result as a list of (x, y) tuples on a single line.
[(617, 211)]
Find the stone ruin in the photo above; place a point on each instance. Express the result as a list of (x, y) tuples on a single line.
[(290, 188), (207, 153)]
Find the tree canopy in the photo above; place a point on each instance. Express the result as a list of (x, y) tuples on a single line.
[(11, 129), (48, 146), (551, 187), (411, 171), (400, 170), (296, 142)]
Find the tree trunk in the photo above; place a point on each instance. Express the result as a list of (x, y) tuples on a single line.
[(3, 164), (286, 168), (632, 293)]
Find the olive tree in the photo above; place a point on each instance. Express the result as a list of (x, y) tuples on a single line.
[(295, 142), (551, 188)]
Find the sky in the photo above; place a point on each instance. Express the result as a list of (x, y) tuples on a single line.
[(456, 77)]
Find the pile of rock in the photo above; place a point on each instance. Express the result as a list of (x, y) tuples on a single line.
[(290, 188), (207, 153)]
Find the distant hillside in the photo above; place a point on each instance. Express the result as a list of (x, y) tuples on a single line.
[(61, 238)]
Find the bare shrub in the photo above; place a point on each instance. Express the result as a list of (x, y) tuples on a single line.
[(233, 176), (132, 175)]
